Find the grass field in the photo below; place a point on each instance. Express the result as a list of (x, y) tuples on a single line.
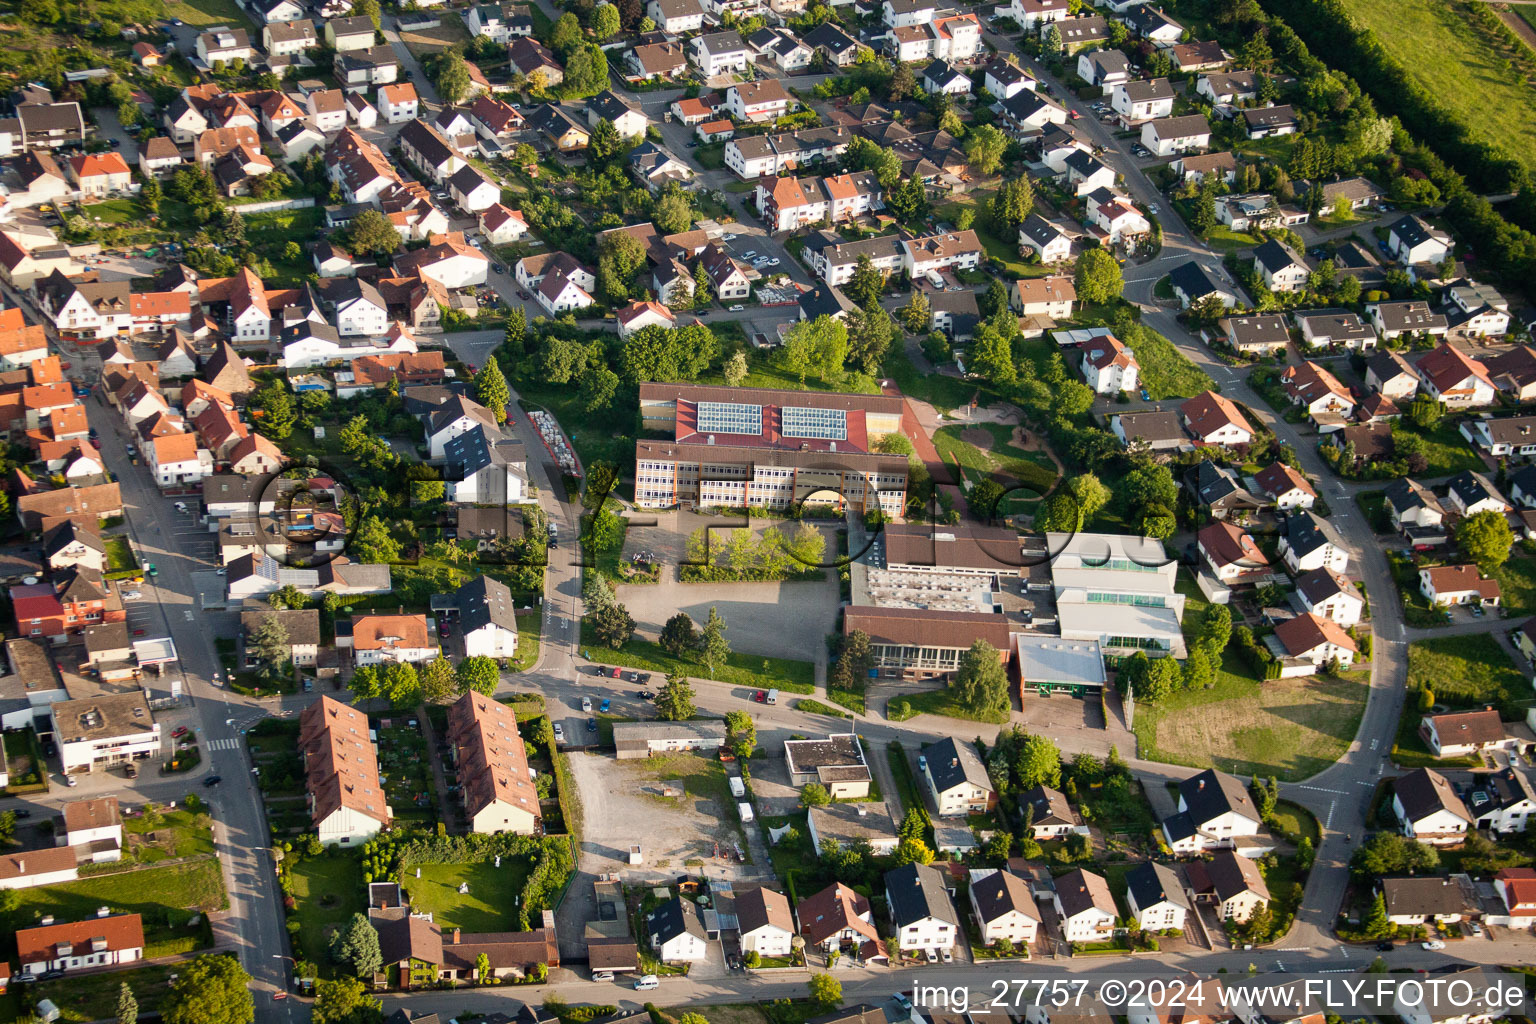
[(432, 40), (179, 834), (87, 997), (168, 897), (1452, 60), (1517, 582), (1165, 372), (1447, 451), (739, 670), (1464, 670), (489, 906), (942, 392), (941, 702), (328, 891), (119, 553), (209, 12), (1032, 468), (1290, 728)]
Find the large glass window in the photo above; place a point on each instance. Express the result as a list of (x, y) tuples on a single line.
[(730, 418), (826, 424)]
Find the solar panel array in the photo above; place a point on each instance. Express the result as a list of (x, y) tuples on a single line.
[(824, 424), (730, 418)]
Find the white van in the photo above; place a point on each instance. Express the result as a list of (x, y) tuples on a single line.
[(772, 698), (647, 982), (738, 788)]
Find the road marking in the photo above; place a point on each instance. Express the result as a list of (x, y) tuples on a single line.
[(1374, 743), (1328, 821), (1362, 782), (188, 614), (228, 743), (1323, 789)]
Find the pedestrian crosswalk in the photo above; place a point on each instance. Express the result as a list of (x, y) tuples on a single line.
[(228, 743)]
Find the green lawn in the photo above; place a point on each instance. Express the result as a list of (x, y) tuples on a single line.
[(940, 702), (168, 897), (1454, 62), (1290, 728), (1165, 372), (1223, 239), (180, 833), (490, 904), (1027, 467), (529, 632), (764, 370), (208, 12), (1466, 670), (942, 392), (1294, 819), (119, 554), (739, 670), (1447, 451), (328, 890), (1517, 582), (93, 996)]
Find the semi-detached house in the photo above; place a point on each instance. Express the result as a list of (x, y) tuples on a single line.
[(791, 203), (347, 802), (921, 911), (1215, 810)]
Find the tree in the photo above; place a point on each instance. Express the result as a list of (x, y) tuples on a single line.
[(903, 83), (1198, 670), (994, 301), (483, 961), (270, 641), (908, 201), (566, 35), (605, 22), (1011, 205), (371, 234), (1425, 412), (917, 314), (742, 732), (345, 1001), (984, 149), (1099, 278), (814, 794), (127, 1005), (701, 286), (613, 626), (735, 369), (603, 145), (991, 356), (1039, 763), (478, 673), (1377, 925), (826, 990), (277, 412), (713, 648), (867, 283), (619, 259), (491, 389), (675, 701), (1050, 46), (149, 196), (598, 387), (913, 850), (1485, 538), (1150, 679), (356, 945), (1216, 628), (1389, 853), (679, 637), (1091, 494), (984, 498), (853, 661), (981, 682), (368, 9), (402, 685), (212, 989), (672, 212), (1060, 513), (436, 678), (374, 542), (453, 78), (517, 329)]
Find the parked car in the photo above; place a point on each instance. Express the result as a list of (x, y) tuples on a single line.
[(1385, 947), (1434, 944), (615, 674), (131, 770), (646, 695), (559, 733), (213, 780), (178, 732), (586, 704), (761, 696), (605, 705), (737, 308), (591, 725)]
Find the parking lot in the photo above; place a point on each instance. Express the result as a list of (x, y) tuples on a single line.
[(192, 537)]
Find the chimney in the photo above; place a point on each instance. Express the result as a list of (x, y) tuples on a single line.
[(1201, 786), (456, 936), (954, 762)]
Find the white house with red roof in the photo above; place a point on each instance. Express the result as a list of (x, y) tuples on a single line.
[(1231, 553), (398, 102), (448, 260), (1109, 367), (501, 225), (1119, 220), (1285, 486), (1214, 419), (1445, 585), (1451, 376), (1517, 888), (1315, 640), (1317, 390), (178, 461), (638, 315), (97, 174)]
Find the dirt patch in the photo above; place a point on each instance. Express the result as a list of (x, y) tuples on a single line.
[(434, 40), (978, 437), (1517, 24)]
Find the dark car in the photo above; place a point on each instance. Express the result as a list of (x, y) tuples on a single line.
[(591, 725), (22, 812), (53, 975), (1385, 946), (646, 694), (213, 780)]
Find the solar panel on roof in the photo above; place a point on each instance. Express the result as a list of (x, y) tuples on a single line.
[(825, 424), (730, 418)]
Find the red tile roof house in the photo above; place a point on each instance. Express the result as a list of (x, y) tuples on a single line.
[(1232, 555), (1464, 732), (73, 945), (1446, 585), (100, 173), (1213, 419), (63, 607), (1517, 887)]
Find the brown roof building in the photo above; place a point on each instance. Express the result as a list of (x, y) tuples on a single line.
[(498, 790), (346, 800)]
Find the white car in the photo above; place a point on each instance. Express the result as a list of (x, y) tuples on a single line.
[(737, 308), (727, 238), (1434, 944), (476, 243), (559, 733), (749, 254), (181, 506), (773, 262), (131, 595)]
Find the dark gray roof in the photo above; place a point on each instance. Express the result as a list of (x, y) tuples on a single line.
[(824, 300), (1472, 487), (427, 141), (1191, 279), (951, 763), (916, 892), (1411, 230), (1422, 792), (1218, 485), (999, 893), (673, 918), (1151, 883), (1417, 897), (65, 534), (1270, 117), (484, 601), (302, 624), (1051, 806), (1212, 794), (1305, 532), (1274, 256), (1040, 230), (476, 449)]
